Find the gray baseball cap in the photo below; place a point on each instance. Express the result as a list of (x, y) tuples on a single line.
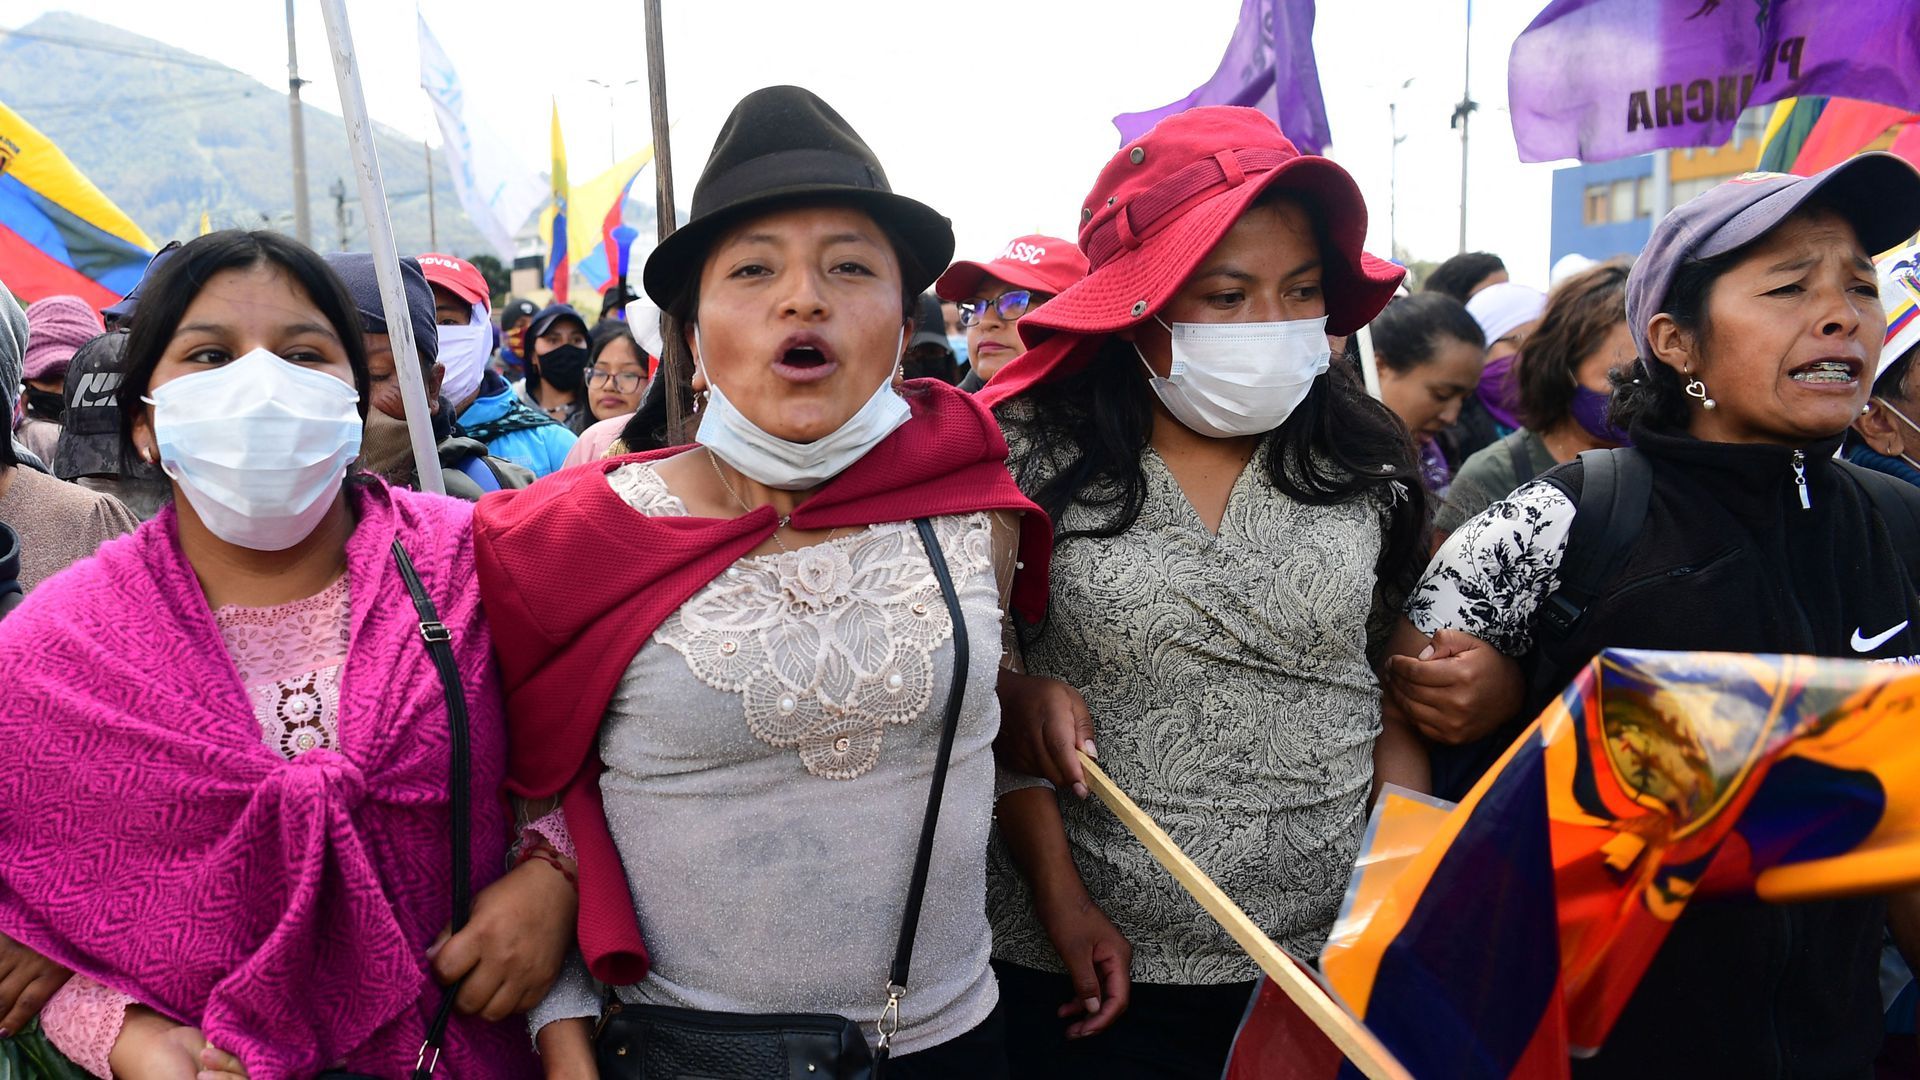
[(90, 424), (1878, 193)]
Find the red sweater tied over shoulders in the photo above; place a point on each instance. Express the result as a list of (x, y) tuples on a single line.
[(564, 640)]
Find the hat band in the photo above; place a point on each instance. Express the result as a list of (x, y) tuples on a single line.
[(784, 170), (1136, 219)]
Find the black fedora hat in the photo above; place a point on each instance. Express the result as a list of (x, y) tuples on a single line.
[(784, 145)]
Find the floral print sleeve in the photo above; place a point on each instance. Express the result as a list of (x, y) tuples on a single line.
[(1493, 572)]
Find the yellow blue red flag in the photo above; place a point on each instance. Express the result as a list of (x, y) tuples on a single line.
[(1655, 778), (58, 233)]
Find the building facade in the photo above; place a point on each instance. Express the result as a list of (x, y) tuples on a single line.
[(1605, 208)]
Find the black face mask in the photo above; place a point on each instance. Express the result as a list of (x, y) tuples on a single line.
[(46, 404), (564, 367)]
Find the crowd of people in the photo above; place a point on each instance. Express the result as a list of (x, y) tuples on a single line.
[(751, 745)]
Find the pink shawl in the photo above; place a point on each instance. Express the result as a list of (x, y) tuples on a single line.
[(153, 841)]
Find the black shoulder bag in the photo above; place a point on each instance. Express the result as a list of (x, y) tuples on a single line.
[(10, 591), (459, 799), (655, 1042)]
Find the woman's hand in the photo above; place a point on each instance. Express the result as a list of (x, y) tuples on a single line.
[(27, 982), (1098, 959), (1455, 688), (566, 1050), (1042, 723), (511, 949), (152, 1047)]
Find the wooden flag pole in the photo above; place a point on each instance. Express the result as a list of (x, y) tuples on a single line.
[(386, 256), (1350, 1035), (675, 364)]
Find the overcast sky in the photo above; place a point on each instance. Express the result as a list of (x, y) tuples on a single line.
[(996, 112)]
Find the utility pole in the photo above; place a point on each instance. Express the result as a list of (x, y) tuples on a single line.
[(433, 229), (1461, 113), (339, 193), (1393, 176), (297, 130)]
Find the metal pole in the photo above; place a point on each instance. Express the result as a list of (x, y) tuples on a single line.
[(433, 228), (676, 360), (1662, 186), (1393, 182), (297, 132), (386, 258), (1464, 113)]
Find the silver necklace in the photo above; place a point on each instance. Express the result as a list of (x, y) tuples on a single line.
[(786, 520)]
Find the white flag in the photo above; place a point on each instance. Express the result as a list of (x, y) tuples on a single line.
[(496, 190)]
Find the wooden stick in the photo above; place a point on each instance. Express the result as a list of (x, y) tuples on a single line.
[(1350, 1035), (386, 257), (675, 363)]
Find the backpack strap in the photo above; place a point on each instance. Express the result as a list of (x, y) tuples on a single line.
[(1894, 501), (1516, 445), (1616, 487)]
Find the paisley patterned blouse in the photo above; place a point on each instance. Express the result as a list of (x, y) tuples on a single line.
[(1232, 696)]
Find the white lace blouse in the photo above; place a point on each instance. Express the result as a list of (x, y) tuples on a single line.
[(768, 757)]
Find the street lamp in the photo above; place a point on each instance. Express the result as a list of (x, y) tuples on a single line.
[(613, 111)]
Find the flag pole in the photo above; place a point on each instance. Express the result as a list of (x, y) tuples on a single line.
[(1359, 1045), (386, 257), (672, 342)]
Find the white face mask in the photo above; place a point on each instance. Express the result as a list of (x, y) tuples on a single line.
[(792, 466), (260, 446), (464, 352), (1232, 379)]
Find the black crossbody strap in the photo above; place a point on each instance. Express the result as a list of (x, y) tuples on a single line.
[(1615, 489), (439, 641), (949, 726)]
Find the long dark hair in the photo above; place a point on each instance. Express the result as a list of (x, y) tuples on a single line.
[(169, 291), (1337, 445), (1410, 330)]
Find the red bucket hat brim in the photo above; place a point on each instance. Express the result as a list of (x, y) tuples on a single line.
[(1134, 285)]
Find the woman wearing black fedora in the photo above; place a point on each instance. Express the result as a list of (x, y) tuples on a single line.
[(770, 721)]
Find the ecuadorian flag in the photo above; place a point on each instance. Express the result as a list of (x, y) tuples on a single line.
[(58, 233), (1517, 930)]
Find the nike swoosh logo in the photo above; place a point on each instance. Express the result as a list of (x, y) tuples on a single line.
[(1868, 644)]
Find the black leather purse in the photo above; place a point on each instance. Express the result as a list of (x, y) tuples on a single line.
[(658, 1042), (459, 799)]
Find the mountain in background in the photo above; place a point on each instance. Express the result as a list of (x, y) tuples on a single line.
[(168, 135)]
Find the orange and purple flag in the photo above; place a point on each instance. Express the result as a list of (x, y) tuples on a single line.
[(1517, 931)]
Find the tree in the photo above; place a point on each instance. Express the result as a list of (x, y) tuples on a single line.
[(499, 280)]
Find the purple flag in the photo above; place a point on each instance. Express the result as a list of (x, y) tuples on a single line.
[(1269, 66), (1603, 79)]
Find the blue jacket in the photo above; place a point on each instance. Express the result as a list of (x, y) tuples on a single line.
[(542, 449)]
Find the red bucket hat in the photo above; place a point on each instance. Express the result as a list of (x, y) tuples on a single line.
[(1167, 198), (1037, 263), (1161, 204)]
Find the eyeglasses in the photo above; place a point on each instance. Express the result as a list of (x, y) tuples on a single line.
[(1008, 306), (626, 382)]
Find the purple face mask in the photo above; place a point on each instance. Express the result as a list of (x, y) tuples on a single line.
[(1590, 412), (1498, 392)]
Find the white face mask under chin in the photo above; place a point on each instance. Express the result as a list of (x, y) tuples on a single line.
[(792, 466), (260, 446), (1235, 379)]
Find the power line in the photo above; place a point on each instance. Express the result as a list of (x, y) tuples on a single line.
[(157, 103), (118, 50)]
